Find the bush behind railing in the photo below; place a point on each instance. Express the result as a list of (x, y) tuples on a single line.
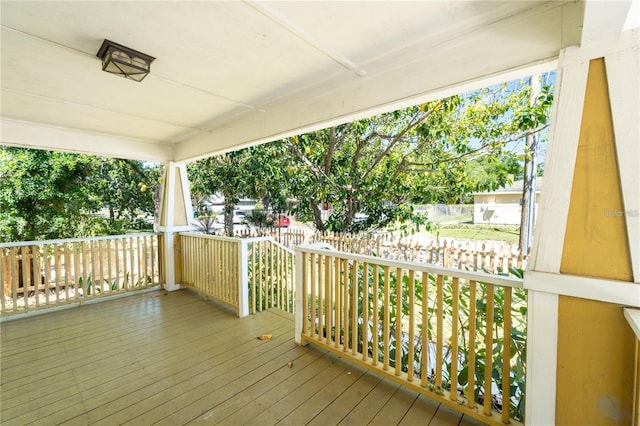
[(445, 364)]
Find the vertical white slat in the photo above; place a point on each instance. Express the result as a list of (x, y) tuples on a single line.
[(300, 295), (312, 304), (385, 324), (424, 349), (321, 301), (47, 272), (26, 274), (354, 308), (399, 320), (365, 311), (439, 329), (560, 162), (132, 265), (375, 315), (337, 300), (328, 291), (13, 262), (412, 324), (243, 273)]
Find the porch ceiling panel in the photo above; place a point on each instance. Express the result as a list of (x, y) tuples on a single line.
[(231, 74)]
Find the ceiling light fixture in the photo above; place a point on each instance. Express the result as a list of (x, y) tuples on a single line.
[(123, 61)]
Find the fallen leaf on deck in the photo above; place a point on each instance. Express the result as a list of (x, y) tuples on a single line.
[(290, 364), (265, 337)]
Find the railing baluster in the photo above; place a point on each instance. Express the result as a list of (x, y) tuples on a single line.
[(424, 347), (439, 330), (412, 324), (305, 309), (506, 355), (338, 306), (488, 358), (354, 307), (67, 267), (375, 314), (398, 320), (132, 266), (345, 305), (455, 314), (328, 294), (312, 315), (471, 366), (14, 276), (365, 311), (26, 275), (321, 286), (385, 324), (37, 273), (100, 281)]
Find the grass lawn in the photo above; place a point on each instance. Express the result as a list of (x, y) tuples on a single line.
[(480, 232)]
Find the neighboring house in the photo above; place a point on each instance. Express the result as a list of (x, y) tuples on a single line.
[(503, 206)]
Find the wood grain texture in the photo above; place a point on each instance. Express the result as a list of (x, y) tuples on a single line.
[(174, 358)]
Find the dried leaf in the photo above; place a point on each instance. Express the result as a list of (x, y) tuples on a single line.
[(290, 364), (265, 337)]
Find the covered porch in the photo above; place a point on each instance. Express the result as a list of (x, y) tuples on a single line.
[(236, 74)]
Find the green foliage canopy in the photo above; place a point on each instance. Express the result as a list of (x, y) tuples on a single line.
[(51, 195)]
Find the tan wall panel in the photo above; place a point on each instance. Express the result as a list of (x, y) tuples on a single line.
[(596, 241)]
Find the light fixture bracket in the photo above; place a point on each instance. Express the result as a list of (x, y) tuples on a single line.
[(124, 61)]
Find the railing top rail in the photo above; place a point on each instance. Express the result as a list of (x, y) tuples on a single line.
[(237, 239), (453, 272), (75, 240)]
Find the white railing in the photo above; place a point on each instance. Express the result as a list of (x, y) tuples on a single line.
[(44, 274), (456, 336), (247, 274)]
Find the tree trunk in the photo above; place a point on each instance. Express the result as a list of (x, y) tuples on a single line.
[(317, 216)]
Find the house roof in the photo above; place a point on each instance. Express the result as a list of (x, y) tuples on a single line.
[(233, 74), (515, 188)]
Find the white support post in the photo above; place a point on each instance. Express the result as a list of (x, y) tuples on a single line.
[(299, 302), (176, 212), (169, 262), (243, 279), (542, 346)]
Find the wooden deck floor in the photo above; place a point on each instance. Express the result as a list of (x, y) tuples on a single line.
[(174, 359)]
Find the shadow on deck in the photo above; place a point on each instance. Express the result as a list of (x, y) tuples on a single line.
[(175, 359)]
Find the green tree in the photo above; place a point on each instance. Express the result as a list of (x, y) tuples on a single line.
[(50, 195), (439, 151), (44, 194), (126, 188), (221, 174), (430, 152), (256, 172)]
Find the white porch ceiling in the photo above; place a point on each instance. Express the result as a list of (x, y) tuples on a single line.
[(232, 74)]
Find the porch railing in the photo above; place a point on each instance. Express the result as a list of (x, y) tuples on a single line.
[(247, 274), (44, 274), (271, 275), (456, 336)]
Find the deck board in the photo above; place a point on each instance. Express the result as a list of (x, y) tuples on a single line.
[(174, 358)]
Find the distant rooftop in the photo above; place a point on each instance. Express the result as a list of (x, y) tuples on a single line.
[(514, 188)]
